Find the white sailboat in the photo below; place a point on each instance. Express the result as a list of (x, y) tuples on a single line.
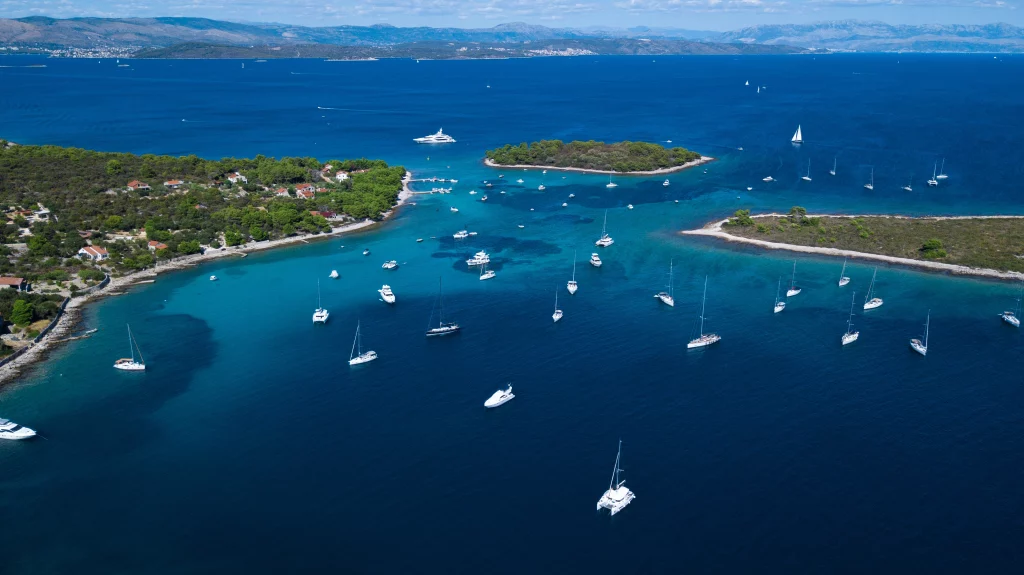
[(500, 397), (942, 171), (486, 274), (320, 315), (605, 239), (558, 313), (793, 290), (872, 302), (747, 83), (850, 336), (779, 304), (833, 170), (443, 327), (933, 181), (1013, 317), (610, 183), (130, 364), (919, 346), (871, 183), (704, 339), (618, 496), (908, 188), (572, 286), (358, 356), (798, 136), (807, 176), (666, 297), (843, 280)]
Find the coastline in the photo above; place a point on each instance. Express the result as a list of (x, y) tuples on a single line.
[(714, 229), (72, 313), (703, 160)]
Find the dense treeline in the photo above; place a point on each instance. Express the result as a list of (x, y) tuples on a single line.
[(620, 156)]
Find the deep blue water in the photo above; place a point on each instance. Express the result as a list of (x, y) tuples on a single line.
[(250, 445)]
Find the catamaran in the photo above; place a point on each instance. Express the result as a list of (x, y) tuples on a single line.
[(833, 170), (1013, 317), (610, 183), (933, 181), (872, 302), (807, 177), (618, 496), (358, 356), (13, 431), (500, 397), (798, 136), (572, 286), (850, 336), (320, 315), (558, 313), (793, 290), (439, 138), (605, 240), (919, 346), (386, 294), (705, 339), (130, 364), (779, 304), (666, 297), (843, 280), (443, 327), (942, 171), (871, 183)]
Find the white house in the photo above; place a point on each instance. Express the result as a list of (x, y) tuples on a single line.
[(94, 253), (341, 176), (235, 178)]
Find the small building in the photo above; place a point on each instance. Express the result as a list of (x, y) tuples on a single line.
[(173, 184), (306, 193), (94, 253), (137, 185), (155, 245), (305, 187), (341, 176), (16, 283), (326, 169), (235, 177), (281, 192)]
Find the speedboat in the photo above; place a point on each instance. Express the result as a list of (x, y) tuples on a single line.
[(454, 181), (665, 183), (768, 179), (483, 199), (565, 205), (488, 185), (334, 274), (629, 206), (571, 196), (213, 278), (439, 138), (460, 235), (519, 181), (521, 226), (386, 294), (320, 315), (366, 252), (13, 431), (478, 259), (595, 260), (472, 192), (541, 187), (500, 397), (453, 210), (749, 188), (390, 265), (419, 240)]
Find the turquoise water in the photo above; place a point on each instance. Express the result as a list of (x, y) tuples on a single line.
[(250, 445)]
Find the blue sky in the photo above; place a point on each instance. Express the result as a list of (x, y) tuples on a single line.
[(692, 14)]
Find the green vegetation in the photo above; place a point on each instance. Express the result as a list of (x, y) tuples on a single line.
[(993, 243), (22, 308), (619, 157)]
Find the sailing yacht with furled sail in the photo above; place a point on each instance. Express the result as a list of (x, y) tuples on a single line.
[(618, 496), (779, 304), (869, 301), (1013, 317), (572, 286), (320, 315), (942, 171), (919, 346), (443, 327), (793, 290), (666, 297), (610, 183), (871, 183), (933, 181), (850, 336), (833, 170), (131, 364), (798, 136), (358, 356), (605, 240), (705, 339), (909, 186), (843, 280), (807, 176), (558, 313)]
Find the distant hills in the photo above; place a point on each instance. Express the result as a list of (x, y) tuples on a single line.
[(163, 33)]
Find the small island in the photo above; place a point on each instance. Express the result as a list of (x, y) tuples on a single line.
[(636, 158), (990, 246)]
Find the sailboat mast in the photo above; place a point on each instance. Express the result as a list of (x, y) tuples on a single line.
[(440, 303), (574, 265), (352, 354), (556, 299), (615, 470), (792, 282), (927, 321), (843, 271), (703, 304), (604, 228), (131, 343), (849, 322), (670, 278)]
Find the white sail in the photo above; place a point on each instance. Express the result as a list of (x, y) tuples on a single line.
[(798, 137)]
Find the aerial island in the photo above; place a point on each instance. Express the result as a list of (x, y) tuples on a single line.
[(991, 246), (76, 218), (636, 158)]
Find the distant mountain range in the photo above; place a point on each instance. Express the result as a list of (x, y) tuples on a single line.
[(151, 33)]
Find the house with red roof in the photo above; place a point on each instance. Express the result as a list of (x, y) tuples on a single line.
[(174, 184), (155, 245), (281, 192), (137, 185), (94, 253), (306, 193), (17, 283), (235, 178)]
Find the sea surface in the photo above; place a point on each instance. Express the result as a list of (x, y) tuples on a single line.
[(250, 446)]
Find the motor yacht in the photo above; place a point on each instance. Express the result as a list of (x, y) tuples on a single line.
[(386, 294), (439, 138), (478, 259), (595, 260), (390, 265), (13, 431), (500, 397)]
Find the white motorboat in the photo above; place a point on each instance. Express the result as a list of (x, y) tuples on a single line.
[(213, 278), (358, 356), (389, 265), (595, 260), (366, 252), (13, 431), (460, 235), (558, 313), (798, 136), (131, 364), (942, 171), (793, 290), (483, 199), (665, 183), (478, 259), (541, 187), (472, 192), (605, 239), (571, 196), (843, 280), (334, 274), (934, 181), (520, 226), (618, 496), (629, 206), (543, 171), (386, 294), (666, 296), (443, 327), (807, 176), (749, 188), (500, 397), (768, 179), (454, 181), (704, 339), (850, 336), (565, 205), (871, 182), (779, 304), (869, 301), (571, 285), (918, 345), (519, 181), (439, 138), (453, 210)]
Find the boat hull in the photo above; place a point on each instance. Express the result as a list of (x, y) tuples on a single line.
[(1011, 320), (793, 292), (18, 434), (780, 306), (364, 358), (873, 304), (704, 341), (850, 337), (666, 299), (843, 281), (442, 331), (571, 287), (916, 345), (130, 366)]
